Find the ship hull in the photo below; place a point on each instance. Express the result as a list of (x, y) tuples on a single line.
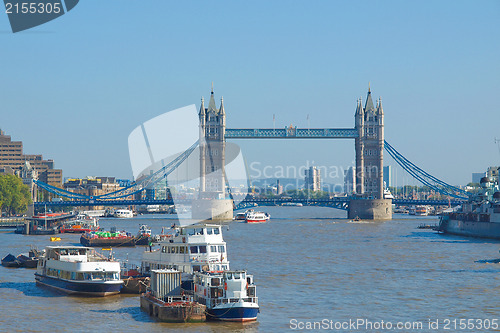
[(471, 228), (233, 313), (86, 241), (79, 288)]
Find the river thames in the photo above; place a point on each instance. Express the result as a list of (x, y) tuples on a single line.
[(324, 270)]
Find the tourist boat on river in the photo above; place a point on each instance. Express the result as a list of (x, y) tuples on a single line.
[(81, 224), (228, 295), (188, 249), (78, 270), (479, 217), (123, 213), (257, 217), (240, 216), (421, 211)]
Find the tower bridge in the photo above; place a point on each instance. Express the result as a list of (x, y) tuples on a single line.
[(368, 201), (368, 133)]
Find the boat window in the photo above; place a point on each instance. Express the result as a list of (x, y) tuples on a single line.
[(64, 252), (73, 276), (196, 268), (221, 248), (79, 276), (209, 231), (236, 276), (183, 232), (164, 249), (229, 276), (199, 231), (190, 232), (213, 248), (73, 252), (181, 249), (216, 231), (193, 249), (87, 276), (203, 249)]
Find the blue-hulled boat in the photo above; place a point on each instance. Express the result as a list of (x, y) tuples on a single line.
[(78, 270), (228, 295)]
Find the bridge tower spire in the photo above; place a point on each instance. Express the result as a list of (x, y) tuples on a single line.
[(211, 203), (369, 146)]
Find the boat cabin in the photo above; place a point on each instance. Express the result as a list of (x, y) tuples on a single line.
[(223, 287), (189, 249)]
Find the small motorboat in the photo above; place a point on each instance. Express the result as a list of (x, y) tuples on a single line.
[(257, 217), (30, 259), (10, 261)]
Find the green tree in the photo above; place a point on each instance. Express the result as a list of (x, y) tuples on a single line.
[(14, 195)]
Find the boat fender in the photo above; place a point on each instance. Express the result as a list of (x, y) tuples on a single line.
[(184, 239), (204, 292), (225, 285), (195, 288)]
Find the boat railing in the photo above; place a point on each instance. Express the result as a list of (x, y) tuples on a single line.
[(218, 301)]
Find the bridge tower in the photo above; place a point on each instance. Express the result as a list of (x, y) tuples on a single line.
[(370, 149), (369, 146), (212, 203)]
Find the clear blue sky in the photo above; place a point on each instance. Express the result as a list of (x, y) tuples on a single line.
[(74, 88)]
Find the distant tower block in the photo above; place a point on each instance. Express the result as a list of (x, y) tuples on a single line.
[(369, 145), (212, 203)]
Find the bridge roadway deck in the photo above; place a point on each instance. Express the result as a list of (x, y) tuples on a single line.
[(291, 133), (337, 201)]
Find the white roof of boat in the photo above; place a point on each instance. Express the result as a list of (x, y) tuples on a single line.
[(68, 247)]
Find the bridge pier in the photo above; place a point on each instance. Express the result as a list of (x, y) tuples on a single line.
[(214, 210), (370, 209)]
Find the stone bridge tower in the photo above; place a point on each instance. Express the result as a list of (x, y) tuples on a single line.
[(212, 203), (370, 149), (369, 202)]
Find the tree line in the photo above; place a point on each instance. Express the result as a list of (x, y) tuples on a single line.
[(15, 197)]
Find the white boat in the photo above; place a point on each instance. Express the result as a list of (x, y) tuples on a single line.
[(240, 216), (123, 213), (388, 194), (293, 204), (257, 217), (188, 249), (228, 295), (422, 211), (80, 224), (78, 270)]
